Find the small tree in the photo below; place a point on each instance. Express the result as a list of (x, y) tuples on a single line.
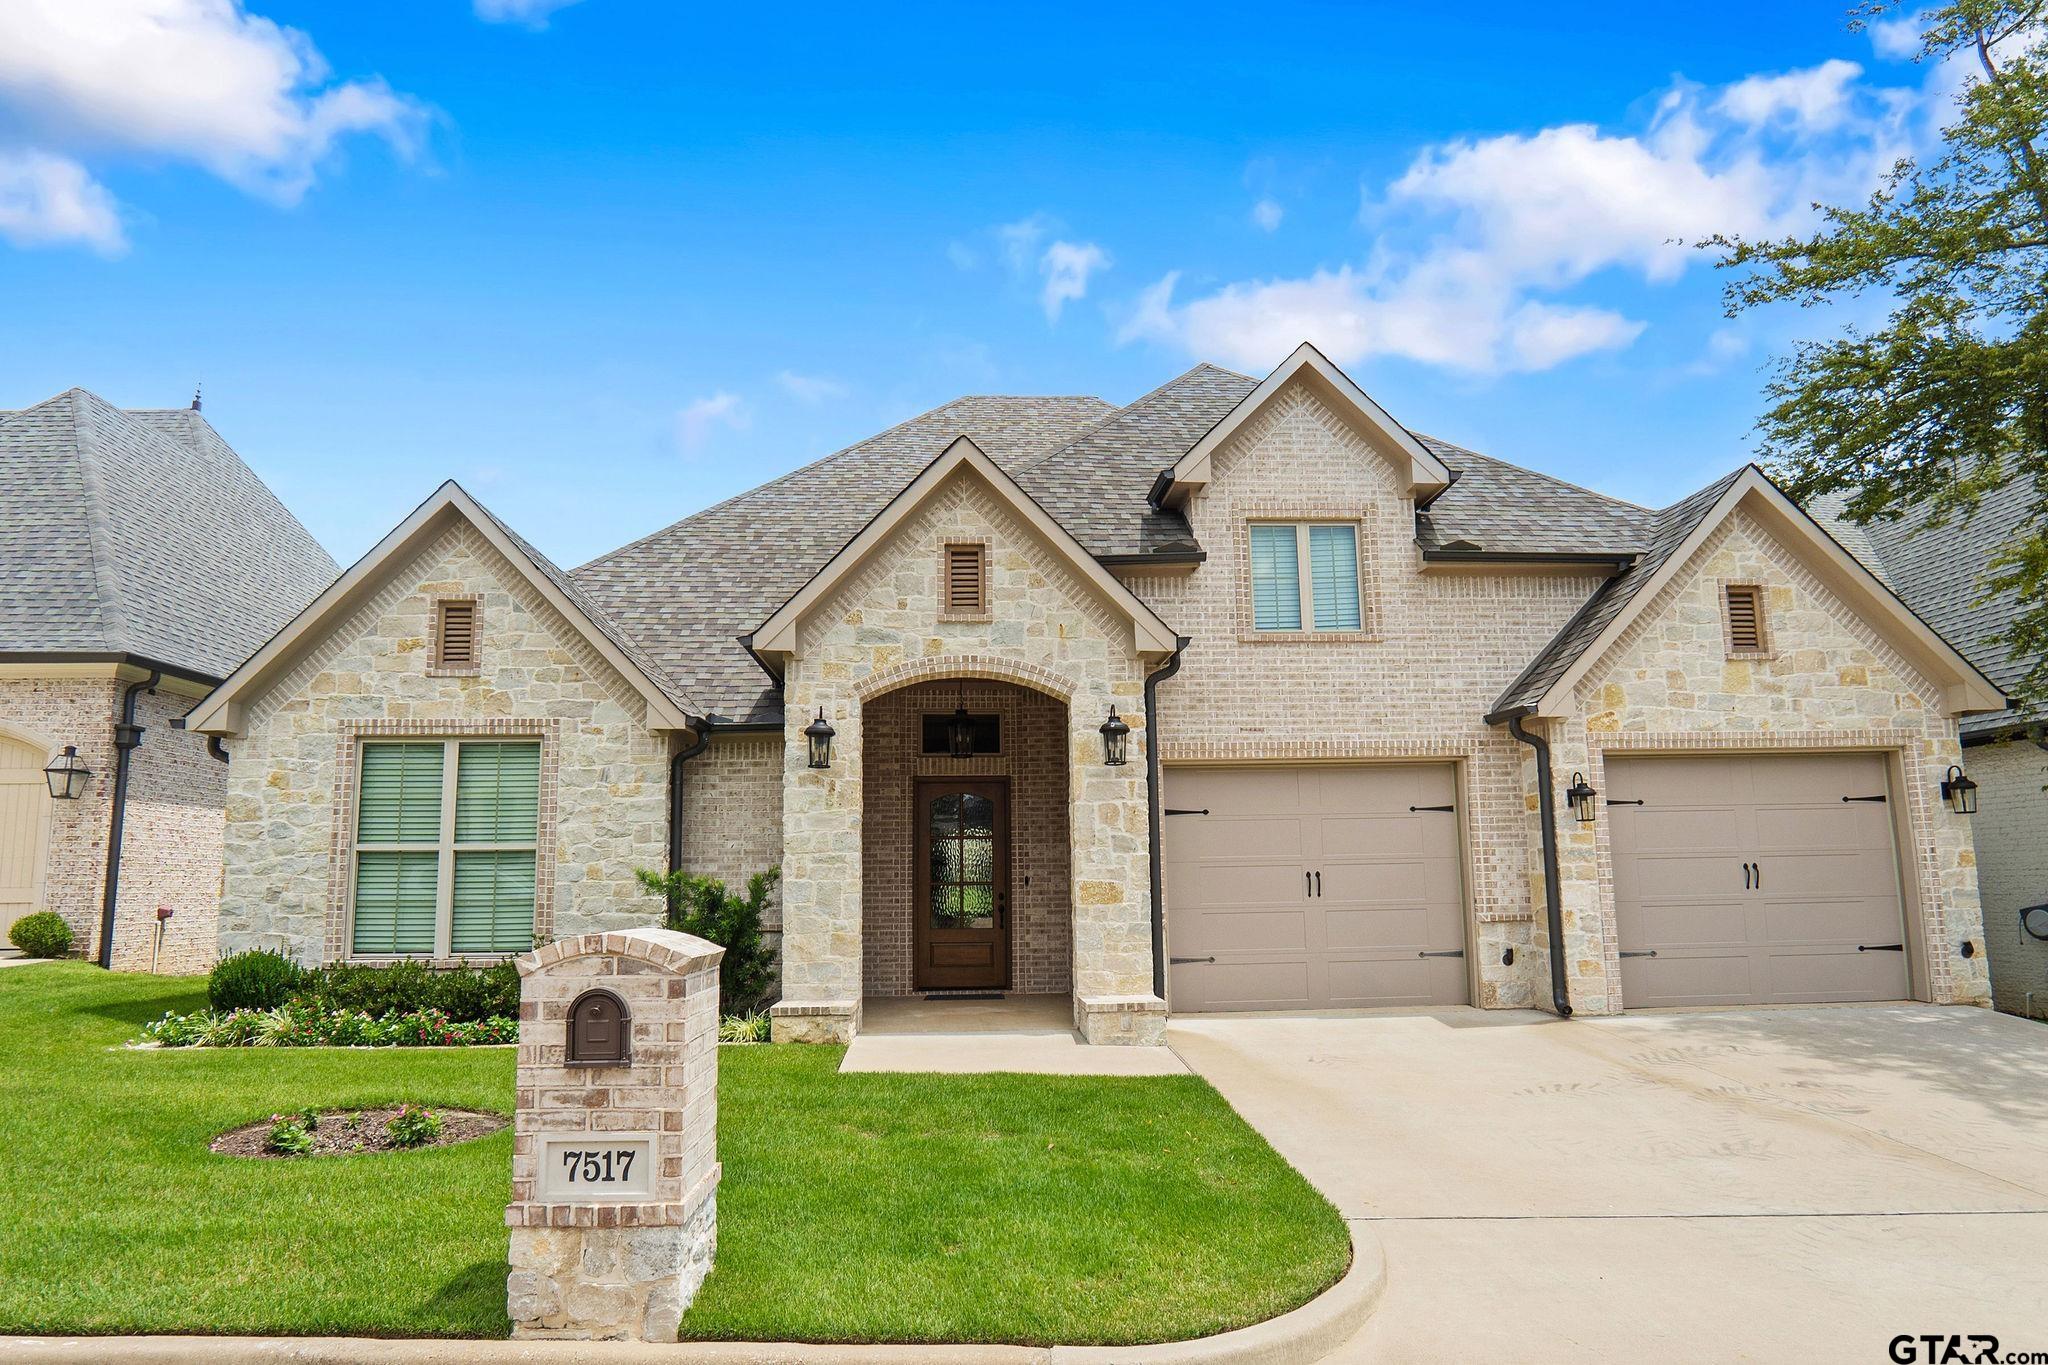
[(702, 906)]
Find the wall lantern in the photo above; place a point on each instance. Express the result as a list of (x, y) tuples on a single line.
[(67, 775), (2034, 919), (1581, 796), (960, 734), (818, 734), (1959, 791), (1115, 737)]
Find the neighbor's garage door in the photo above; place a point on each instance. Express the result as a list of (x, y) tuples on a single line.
[(1313, 888), (1753, 881)]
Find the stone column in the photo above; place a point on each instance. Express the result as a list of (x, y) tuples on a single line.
[(821, 870), (1111, 853), (614, 1152)]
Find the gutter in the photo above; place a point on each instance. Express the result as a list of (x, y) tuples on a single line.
[(1152, 785), (90, 656), (1166, 557), (1616, 562), (127, 738), (1553, 899)]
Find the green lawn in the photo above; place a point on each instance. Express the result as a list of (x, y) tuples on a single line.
[(868, 1207)]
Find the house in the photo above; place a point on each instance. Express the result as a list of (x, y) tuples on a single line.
[(140, 561), (1936, 569), (1241, 696)]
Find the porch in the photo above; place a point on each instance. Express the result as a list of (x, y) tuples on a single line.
[(1004, 1031)]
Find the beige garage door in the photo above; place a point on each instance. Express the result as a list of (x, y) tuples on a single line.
[(1755, 880), (1313, 888), (24, 830)]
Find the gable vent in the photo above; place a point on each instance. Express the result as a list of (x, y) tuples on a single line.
[(966, 580), (1745, 619), (456, 647)]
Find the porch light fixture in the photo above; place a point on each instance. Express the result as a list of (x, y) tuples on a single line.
[(1581, 796), (1959, 791), (1115, 738), (2034, 919), (67, 775), (960, 734), (818, 735)]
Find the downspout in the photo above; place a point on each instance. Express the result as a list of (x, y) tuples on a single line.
[(1152, 784), (675, 795), (127, 738), (213, 748), (1553, 899)]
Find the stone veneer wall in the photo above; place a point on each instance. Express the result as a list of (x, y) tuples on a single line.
[(1049, 630), (1414, 684), (290, 811), (732, 814), (2011, 829), (1826, 681), (1033, 758)]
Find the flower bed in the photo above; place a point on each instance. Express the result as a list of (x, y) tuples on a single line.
[(298, 1024), (355, 1132)]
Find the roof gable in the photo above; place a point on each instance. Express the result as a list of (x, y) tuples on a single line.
[(778, 634), (223, 710)]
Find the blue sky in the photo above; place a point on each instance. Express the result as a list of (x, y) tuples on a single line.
[(609, 264)]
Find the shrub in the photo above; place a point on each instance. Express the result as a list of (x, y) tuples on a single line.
[(702, 906), (743, 1028), (413, 1126), (289, 1136), (299, 1024), (43, 934), (258, 979), (465, 994)]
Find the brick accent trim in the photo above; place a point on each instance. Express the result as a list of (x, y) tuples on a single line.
[(986, 666)]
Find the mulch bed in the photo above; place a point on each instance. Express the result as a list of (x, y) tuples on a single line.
[(333, 1135)]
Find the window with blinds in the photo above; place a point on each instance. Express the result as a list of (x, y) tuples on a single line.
[(1745, 608), (1305, 576), (966, 586), (439, 877), (456, 647)]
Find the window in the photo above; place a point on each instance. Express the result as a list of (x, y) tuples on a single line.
[(456, 649), (1307, 567), (1745, 606), (966, 587), (988, 734), (439, 878)]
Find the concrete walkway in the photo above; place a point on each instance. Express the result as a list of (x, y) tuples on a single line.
[(1022, 1033), (1712, 1185)]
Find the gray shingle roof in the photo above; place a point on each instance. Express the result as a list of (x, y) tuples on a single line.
[(1668, 531), (1498, 507), (141, 532)]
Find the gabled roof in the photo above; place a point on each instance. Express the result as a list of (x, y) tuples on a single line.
[(777, 635), (1545, 687), (222, 711), (1424, 473), (1500, 510), (140, 534)]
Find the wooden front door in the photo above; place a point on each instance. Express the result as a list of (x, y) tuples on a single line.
[(962, 902)]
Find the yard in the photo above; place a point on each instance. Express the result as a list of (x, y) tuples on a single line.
[(869, 1207)]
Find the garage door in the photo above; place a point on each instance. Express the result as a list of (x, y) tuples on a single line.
[(1755, 881), (24, 830), (1313, 888)]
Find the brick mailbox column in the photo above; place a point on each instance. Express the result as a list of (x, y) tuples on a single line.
[(614, 1152)]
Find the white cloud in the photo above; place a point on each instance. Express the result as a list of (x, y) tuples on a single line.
[(1267, 213), (1898, 38), (696, 422), (532, 13), (811, 388), (1066, 267), (1019, 240), (1479, 241), (51, 201)]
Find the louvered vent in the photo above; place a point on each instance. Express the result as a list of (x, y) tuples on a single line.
[(458, 643), (1745, 620), (966, 580)]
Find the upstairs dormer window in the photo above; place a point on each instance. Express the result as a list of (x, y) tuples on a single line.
[(457, 649), (963, 590), (1305, 576)]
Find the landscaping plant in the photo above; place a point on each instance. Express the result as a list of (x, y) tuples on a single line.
[(298, 1024), (702, 906), (43, 934), (290, 1136), (413, 1126), (743, 1028), (255, 979), (464, 993)]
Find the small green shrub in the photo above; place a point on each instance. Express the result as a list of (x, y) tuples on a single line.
[(702, 906), (465, 994), (413, 1126), (43, 934), (258, 979), (289, 1136), (743, 1028), (298, 1024)]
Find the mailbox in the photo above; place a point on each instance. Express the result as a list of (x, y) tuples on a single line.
[(598, 1030)]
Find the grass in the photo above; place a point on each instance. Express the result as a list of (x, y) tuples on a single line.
[(863, 1207)]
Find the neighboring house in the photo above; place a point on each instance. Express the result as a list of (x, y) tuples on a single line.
[(1265, 701), (1937, 569), (140, 561)]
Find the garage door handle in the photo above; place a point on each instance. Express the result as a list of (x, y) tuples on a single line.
[(1177, 961), (1648, 952), (1880, 947), (1457, 953)]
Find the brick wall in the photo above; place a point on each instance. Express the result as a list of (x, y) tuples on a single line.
[(2011, 829), (732, 813)]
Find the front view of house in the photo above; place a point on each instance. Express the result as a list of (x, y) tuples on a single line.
[(1241, 697)]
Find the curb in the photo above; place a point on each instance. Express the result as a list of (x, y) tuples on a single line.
[(1299, 1337)]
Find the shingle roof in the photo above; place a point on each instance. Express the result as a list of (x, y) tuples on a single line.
[(1935, 571), (141, 532), (1668, 530), (1498, 508)]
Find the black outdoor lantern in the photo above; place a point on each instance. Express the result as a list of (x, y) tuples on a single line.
[(1115, 737), (960, 734), (1581, 796), (67, 775), (819, 736), (1959, 791)]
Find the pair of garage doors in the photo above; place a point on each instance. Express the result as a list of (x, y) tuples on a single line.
[(1737, 880)]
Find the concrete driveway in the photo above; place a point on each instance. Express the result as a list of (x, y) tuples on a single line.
[(1706, 1185)]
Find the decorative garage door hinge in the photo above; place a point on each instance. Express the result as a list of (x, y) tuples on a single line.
[(1177, 961), (1457, 953), (1879, 798), (1647, 952), (1445, 808), (1172, 811), (1880, 947)]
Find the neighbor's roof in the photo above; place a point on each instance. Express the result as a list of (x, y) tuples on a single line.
[(140, 532)]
